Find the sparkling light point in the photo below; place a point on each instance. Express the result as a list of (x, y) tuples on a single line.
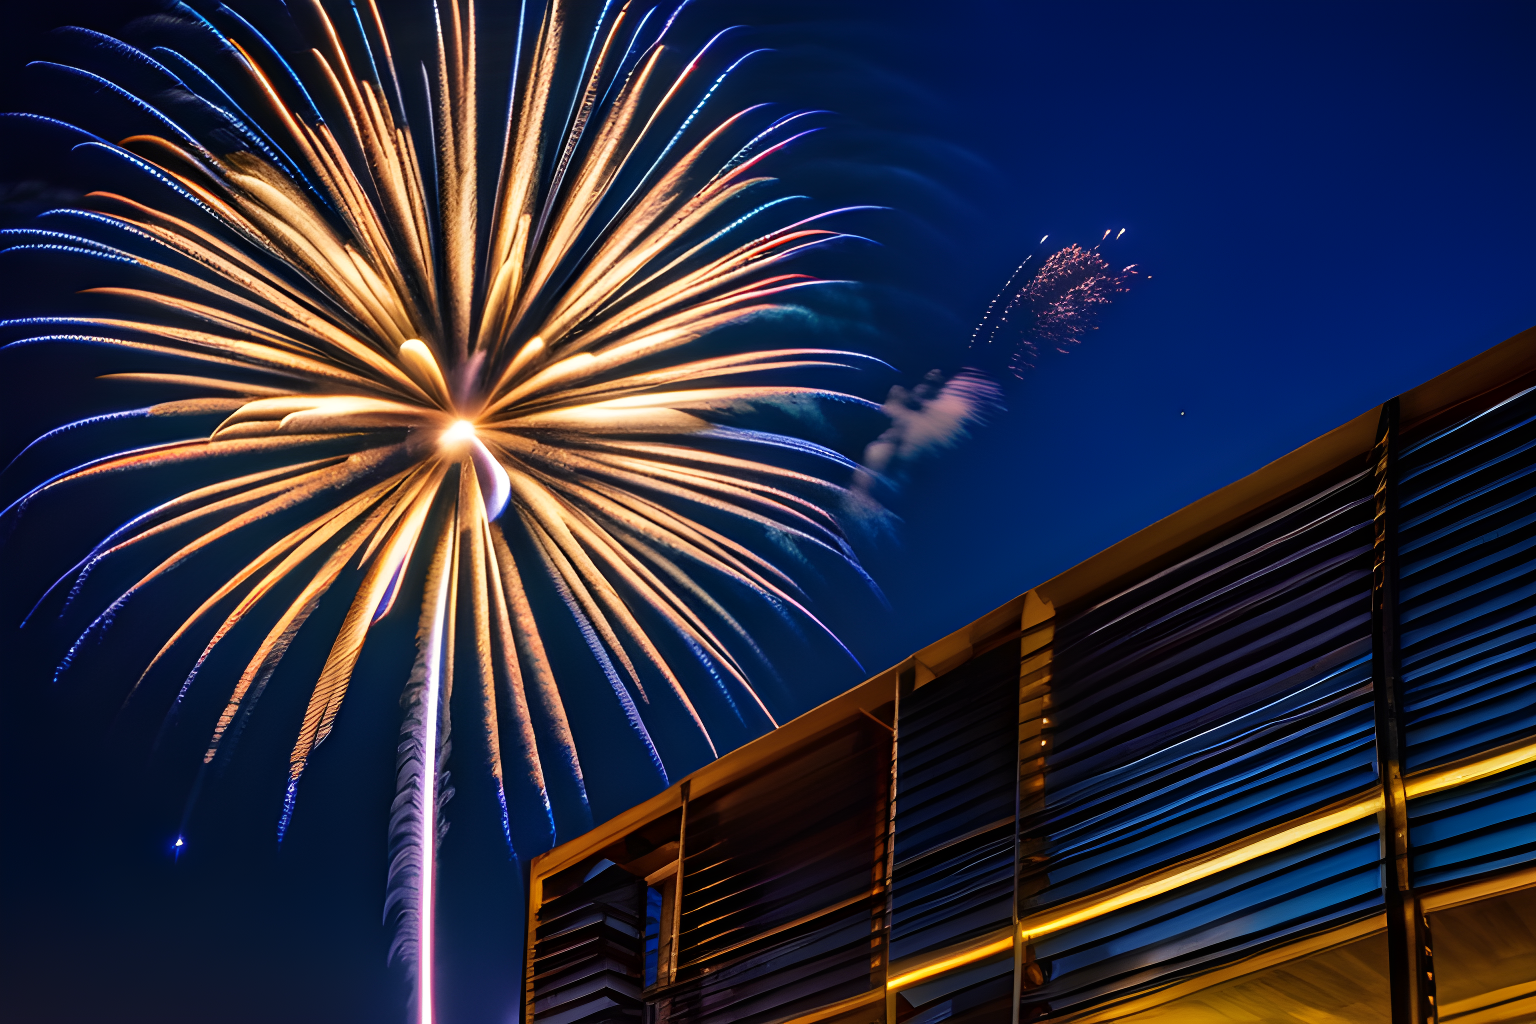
[(462, 430)]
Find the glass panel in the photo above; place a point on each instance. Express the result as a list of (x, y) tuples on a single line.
[(1485, 959), (653, 909), (1343, 985)]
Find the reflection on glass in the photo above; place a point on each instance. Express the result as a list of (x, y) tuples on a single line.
[(653, 904), (1485, 959)]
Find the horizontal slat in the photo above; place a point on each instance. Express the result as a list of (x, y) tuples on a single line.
[(1226, 697), (955, 804), (790, 977), (587, 954), (981, 993), (1468, 586), (783, 883), (1323, 882), (964, 891), (1211, 636), (1485, 826), (798, 839)]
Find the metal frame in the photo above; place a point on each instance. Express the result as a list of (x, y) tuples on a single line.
[(1409, 950), (906, 680), (677, 890)]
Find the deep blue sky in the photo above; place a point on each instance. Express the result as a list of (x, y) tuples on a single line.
[(1334, 204)]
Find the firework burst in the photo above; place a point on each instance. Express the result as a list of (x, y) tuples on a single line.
[(1054, 307), (433, 387)]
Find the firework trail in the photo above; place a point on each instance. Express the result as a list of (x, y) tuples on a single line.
[(444, 375)]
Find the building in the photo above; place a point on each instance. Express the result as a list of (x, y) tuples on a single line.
[(1273, 758)]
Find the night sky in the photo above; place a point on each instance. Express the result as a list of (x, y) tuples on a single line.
[(1333, 203)]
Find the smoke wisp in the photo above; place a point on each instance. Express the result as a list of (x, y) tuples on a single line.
[(935, 415)]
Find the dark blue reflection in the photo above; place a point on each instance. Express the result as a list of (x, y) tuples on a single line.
[(652, 934)]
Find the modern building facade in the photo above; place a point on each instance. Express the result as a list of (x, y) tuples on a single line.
[(1273, 758)]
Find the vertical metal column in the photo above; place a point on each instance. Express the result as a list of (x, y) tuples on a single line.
[(677, 887), (534, 888), (1038, 633), (906, 681), (1409, 966)]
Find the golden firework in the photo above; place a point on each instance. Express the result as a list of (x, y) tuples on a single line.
[(458, 396)]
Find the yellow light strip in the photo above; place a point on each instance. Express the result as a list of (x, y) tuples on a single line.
[(1335, 815), (1514, 755), (960, 959), (1177, 875)]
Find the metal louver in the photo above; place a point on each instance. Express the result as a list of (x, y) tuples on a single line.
[(1223, 695), (1467, 585), (784, 885), (955, 800), (587, 960), (1274, 756)]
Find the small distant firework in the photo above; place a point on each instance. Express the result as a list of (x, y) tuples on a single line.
[(1053, 308)]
